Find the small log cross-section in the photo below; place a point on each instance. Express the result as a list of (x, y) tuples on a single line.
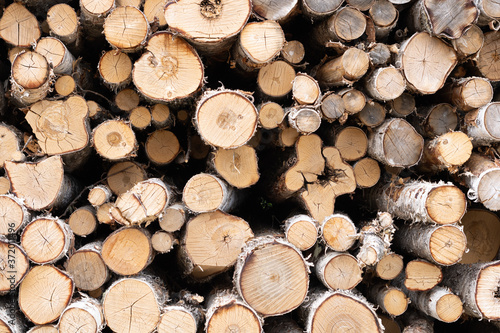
[(237, 166), (60, 127), (18, 26), (211, 243), (421, 201), (271, 276), (391, 300), (226, 312), (114, 140), (206, 193), (396, 143), (338, 232), (481, 176), (338, 271), (127, 251), (421, 275), (144, 202), (13, 214), (84, 312), (482, 124), (390, 266), (169, 69), (41, 184), (44, 294), (131, 305), (226, 119), (439, 303), (87, 267), (482, 229), (126, 28), (301, 231), (178, 317), (339, 311), (477, 286)]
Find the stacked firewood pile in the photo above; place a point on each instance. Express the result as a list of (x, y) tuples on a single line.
[(248, 166)]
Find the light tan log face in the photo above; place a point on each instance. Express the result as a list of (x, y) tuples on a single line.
[(482, 229)]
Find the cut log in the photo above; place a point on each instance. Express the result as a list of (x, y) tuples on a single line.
[(63, 23), (226, 311), (469, 93), (47, 240), (436, 120), (161, 117), (481, 125), (332, 106), (258, 44), (162, 147), (426, 62), (18, 26), (305, 120), (87, 267), (421, 275), (41, 184), (270, 115), (140, 118), (482, 228), (338, 270), (489, 13), (379, 54), (206, 193), (163, 241), (15, 265), (155, 12), (127, 99), (402, 106), (132, 305), (305, 89), (128, 250), (275, 79), (308, 166), (293, 51), (354, 100), (372, 115), (338, 232), (470, 42), (211, 26), (385, 83), (396, 143), (178, 317), (85, 313), (57, 55), (421, 201), (336, 311), (301, 231), (477, 287), (271, 276), (270, 10), (362, 5), (93, 15), (65, 85), (10, 144), (31, 77), (44, 294), (486, 61), (385, 17), (344, 70), (345, 25), (391, 300), (439, 303), (449, 18), (287, 136), (173, 217), (481, 177), (226, 119), (166, 59), (390, 266), (317, 9), (375, 238), (83, 221), (442, 245), (103, 214), (366, 172), (122, 176), (114, 140), (126, 28), (446, 152), (99, 195), (216, 248), (13, 214), (237, 166), (115, 69)]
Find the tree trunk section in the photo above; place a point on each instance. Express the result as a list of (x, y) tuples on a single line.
[(122, 176), (87, 267), (391, 300), (338, 232), (344, 70), (481, 175), (84, 312), (301, 231), (338, 270), (305, 90), (115, 69), (421, 275), (10, 144), (270, 10), (163, 242), (44, 294), (436, 120), (385, 83), (481, 125), (114, 140), (126, 28), (162, 147), (390, 266), (93, 15), (305, 120), (15, 265), (18, 26), (482, 229), (469, 43), (238, 166), (275, 79), (345, 25), (215, 250), (56, 54), (318, 9), (63, 23), (402, 106), (469, 93), (293, 51), (178, 317), (13, 214), (271, 276), (332, 106), (173, 217), (206, 193), (372, 115), (366, 172), (439, 303), (99, 195)]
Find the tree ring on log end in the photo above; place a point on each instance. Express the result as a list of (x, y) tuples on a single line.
[(447, 245), (446, 204)]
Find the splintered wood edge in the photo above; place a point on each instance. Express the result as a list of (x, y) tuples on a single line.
[(422, 275)]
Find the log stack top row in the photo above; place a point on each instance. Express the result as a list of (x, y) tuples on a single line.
[(249, 166)]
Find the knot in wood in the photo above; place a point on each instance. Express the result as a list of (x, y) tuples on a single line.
[(211, 8)]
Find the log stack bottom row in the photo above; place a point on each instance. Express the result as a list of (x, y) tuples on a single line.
[(249, 166)]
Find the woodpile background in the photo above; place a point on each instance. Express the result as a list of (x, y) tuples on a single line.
[(236, 166)]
